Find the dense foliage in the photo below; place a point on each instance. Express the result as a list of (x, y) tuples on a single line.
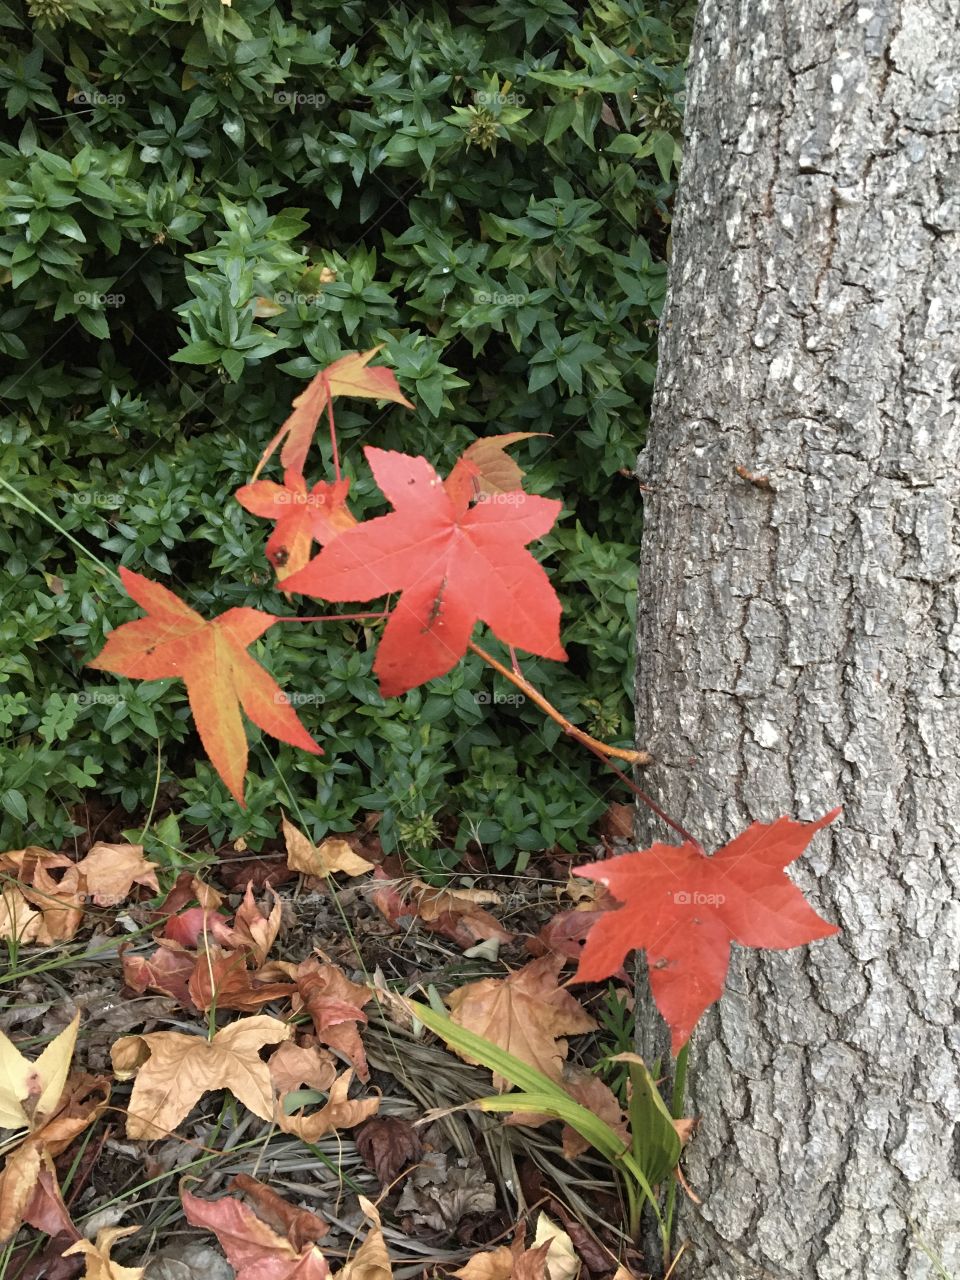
[(204, 203)]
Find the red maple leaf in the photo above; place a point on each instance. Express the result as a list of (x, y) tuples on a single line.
[(303, 516), (684, 909), (211, 658), (455, 564), (348, 376)]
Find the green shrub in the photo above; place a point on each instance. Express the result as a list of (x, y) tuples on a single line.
[(201, 205)]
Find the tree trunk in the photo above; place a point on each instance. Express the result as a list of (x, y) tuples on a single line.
[(799, 641)]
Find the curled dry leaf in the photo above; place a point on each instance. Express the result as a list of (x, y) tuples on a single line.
[(82, 1102), (371, 1261), (100, 1266), (336, 1006), (221, 979), (525, 1014), (294, 1066), (172, 1072), (254, 1249), (30, 1091), (455, 913), (253, 931), (388, 1144), (338, 1112), (111, 871), (321, 860), (562, 1260), (300, 1226), (168, 969), (439, 1195)]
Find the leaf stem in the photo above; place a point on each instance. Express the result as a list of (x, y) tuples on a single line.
[(592, 744), (650, 803)]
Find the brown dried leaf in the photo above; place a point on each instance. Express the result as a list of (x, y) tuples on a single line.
[(173, 1071), (294, 1066), (254, 1249), (111, 871), (525, 1014), (371, 1261), (387, 1145), (322, 860), (338, 1112), (336, 1006), (300, 1226), (222, 979), (100, 1266)]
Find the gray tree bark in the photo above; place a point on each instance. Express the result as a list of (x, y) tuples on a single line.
[(799, 635)]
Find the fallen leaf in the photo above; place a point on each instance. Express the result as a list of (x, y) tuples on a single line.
[(221, 979), (438, 1195), (100, 1266), (454, 564), (30, 1091), (321, 860), (255, 1250), (172, 1071), (82, 1102), (388, 1144), (338, 1112), (254, 931), (455, 913), (300, 1226), (525, 1014), (562, 1261), (212, 659), (294, 1066), (46, 903), (167, 969), (197, 926), (336, 1006), (302, 517), (348, 376), (111, 871), (371, 1261), (685, 909)]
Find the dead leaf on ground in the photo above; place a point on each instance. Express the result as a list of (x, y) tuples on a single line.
[(388, 1144), (254, 931), (221, 979), (172, 1072), (338, 1112), (100, 1266), (300, 1226), (455, 913), (438, 1195), (254, 1249), (525, 1014), (168, 970), (295, 1066), (30, 1091), (371, 1261), (332, 855), (82, 1102), (111, 871)]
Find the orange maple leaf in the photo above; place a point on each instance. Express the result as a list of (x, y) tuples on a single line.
[(347, 376), (303, 516), (211, 659)]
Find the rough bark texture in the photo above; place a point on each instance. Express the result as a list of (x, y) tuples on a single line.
[(799, 642)]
